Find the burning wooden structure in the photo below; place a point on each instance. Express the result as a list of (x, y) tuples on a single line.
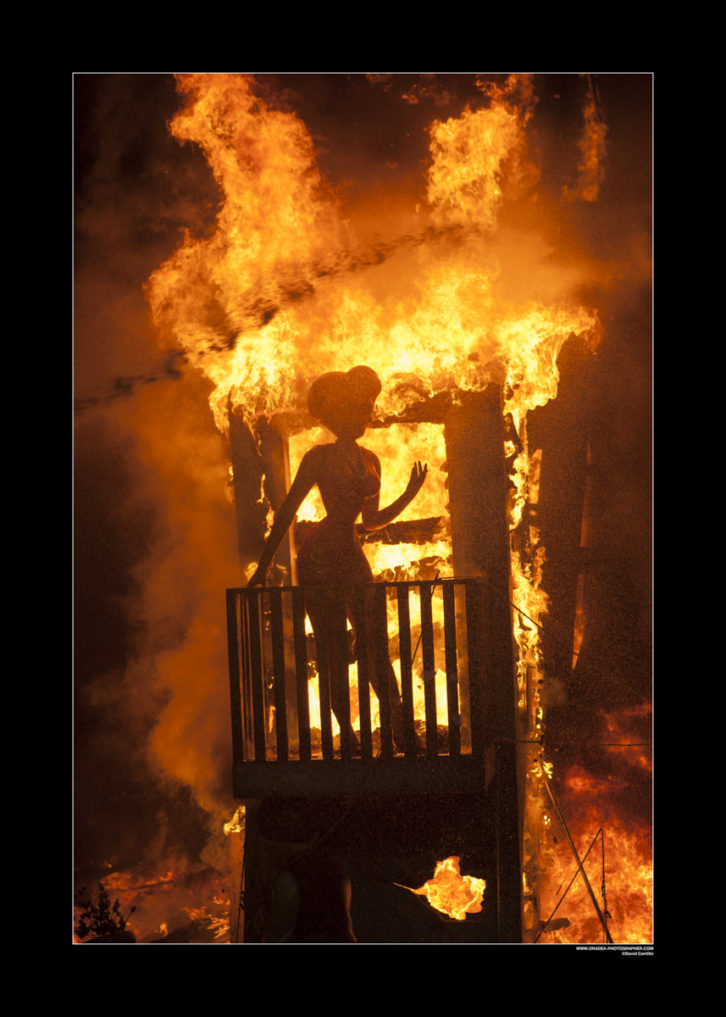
[(470, 319), (461, 737)]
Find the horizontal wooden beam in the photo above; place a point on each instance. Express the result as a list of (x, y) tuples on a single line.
[(410, 531), (324, 778)]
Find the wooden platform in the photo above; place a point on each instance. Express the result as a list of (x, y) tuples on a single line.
[(286, 739)]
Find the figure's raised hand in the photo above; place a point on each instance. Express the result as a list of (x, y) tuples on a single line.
[(417, 478), (258, 577)]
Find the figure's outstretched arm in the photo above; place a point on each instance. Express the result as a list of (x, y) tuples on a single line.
[(375, 518), (304, 481)]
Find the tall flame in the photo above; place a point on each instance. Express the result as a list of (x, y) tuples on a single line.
[(285, 287)]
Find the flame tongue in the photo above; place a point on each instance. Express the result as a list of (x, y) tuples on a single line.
[(451, 893), (283, 289)]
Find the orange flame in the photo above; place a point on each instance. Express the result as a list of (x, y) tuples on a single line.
[(592, 152), (271, 300), (451, 893)]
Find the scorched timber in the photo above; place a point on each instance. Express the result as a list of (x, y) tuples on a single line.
[(412, 531)]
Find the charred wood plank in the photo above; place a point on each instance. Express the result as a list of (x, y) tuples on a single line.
[(247, 471), (381, 662), (300, 644), (429, 668), (233, 653), (253, 637), (475, 653), (340, 690), (452, 677), (322, 653), (404, 644), (409, 531), (278, 671), (363, 671)]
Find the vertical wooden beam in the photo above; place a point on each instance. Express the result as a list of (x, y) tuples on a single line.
[(253, 635), (233, 653), (277, 635), (429, 669), (250, 511), (560, 430), (323, 657), (378, 640), (474, 432), (275, 463), (301, 671), (363, 664), (340, 677), (253, 885), (474, 611), (404, 650), (452, 676)]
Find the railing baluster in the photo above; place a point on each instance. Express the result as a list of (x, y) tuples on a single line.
[(404, 649), (429, 668), (266, 636), (381, 662), (452, 677), (278, 670), (474, 637), (247, 683), (322, 657), (363, 652), (235, 673), (341, 689), (301, 671), (256, 673)]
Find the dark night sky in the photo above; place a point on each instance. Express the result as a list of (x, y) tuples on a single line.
[(136, 190)]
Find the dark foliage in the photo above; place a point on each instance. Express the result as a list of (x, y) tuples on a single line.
[(100, 919)]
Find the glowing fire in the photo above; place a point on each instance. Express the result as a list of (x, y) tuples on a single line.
[(155, 907), (617, 852), (271, 299), (451, 893), (622, 882)]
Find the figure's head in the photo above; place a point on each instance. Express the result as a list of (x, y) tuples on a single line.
[(343, 401)]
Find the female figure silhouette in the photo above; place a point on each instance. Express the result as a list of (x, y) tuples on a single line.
[(349, 479)]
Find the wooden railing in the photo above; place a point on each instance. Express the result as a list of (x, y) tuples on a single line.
[(281, 697)]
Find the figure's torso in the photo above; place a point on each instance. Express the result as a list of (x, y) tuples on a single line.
[(346, 476)]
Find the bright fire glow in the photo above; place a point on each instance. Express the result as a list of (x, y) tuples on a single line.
[(451, 893), (266, 304)]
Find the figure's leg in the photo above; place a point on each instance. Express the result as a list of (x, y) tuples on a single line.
[(328, 617), (369, 624)]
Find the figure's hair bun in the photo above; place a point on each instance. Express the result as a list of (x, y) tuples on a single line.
[(332, 392), (364, 383)]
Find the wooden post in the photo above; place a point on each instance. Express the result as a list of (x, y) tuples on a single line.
[(233, 651), (363, 672), (560, 430), (274, 450), (474, 431), (404, 643), (452, 677), (250, 511), (275, 462)]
